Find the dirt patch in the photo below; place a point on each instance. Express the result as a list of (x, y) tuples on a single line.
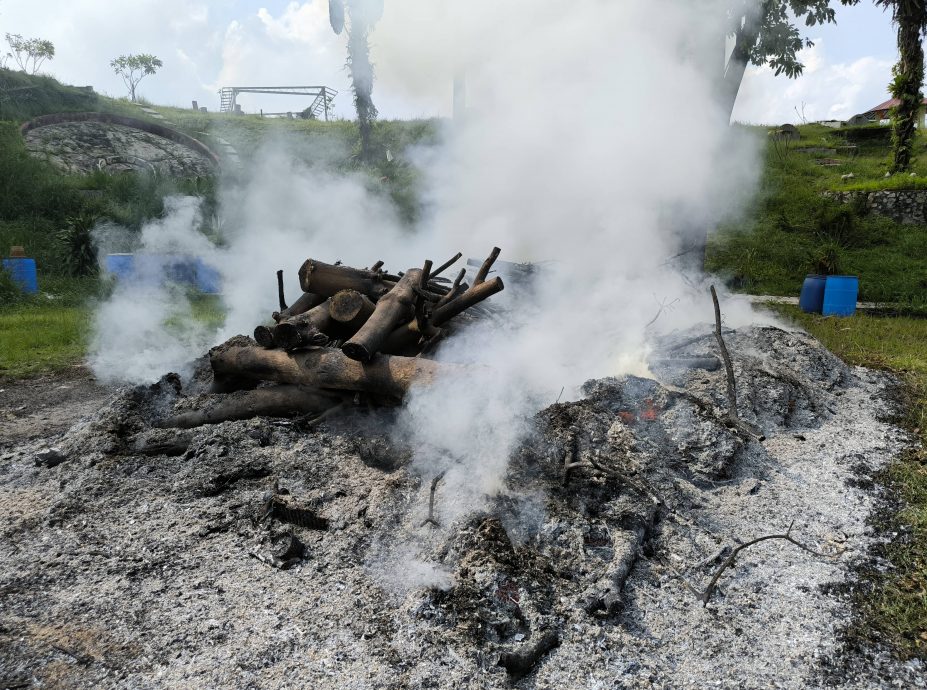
[(264, 554), (43, 406)]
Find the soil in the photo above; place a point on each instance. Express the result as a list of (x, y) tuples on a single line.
[(47, 405), (270, 554)]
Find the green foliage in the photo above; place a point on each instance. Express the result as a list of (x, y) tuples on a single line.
[(790, 230), (774, 39), (23, 97), (865, 134), (80, 249), (30, 53)]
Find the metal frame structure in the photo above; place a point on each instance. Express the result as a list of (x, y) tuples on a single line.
[(321, 105)]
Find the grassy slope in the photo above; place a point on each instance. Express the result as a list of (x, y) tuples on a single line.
[(791, 231), (895, 601)]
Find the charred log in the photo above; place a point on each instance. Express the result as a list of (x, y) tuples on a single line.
[(278, 401), (328, 280), (325, 368), (393, 309)]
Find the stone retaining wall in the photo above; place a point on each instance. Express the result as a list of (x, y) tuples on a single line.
[(907, 206)]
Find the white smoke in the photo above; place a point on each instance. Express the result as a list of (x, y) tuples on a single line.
[(592, 144), (147, 327)]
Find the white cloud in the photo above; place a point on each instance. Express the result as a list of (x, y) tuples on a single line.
[(827, 90)]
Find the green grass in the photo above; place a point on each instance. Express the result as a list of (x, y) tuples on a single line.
[(895, 603), (790, 230), (41, 339)]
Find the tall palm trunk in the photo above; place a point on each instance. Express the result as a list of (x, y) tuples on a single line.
[(911, 17)]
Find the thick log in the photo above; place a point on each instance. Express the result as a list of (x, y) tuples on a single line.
[(326, 368), (278, 401), (264, 335), (328, 280), (306, 302), (393, 309), (304, 330), (351, 307)]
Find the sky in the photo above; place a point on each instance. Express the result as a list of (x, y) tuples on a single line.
[(208, 44)]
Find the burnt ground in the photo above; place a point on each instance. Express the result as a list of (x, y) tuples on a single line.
[(269, 554)]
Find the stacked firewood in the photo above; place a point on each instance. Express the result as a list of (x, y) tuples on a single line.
[(353, 332)]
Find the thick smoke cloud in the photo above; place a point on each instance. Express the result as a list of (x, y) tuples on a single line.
[(592, 145)]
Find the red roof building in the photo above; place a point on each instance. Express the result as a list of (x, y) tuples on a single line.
[(881, 111)]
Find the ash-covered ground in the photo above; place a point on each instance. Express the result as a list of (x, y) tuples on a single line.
[(271, 554)]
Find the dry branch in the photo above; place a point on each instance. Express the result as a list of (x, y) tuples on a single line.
[(304, 330), (729, 562), (305, 302), (351, 308)]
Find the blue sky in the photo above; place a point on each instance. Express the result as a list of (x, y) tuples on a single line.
[(206, 44)]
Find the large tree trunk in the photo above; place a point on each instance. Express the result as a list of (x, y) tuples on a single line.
[(745, 38), (325, 368), (908, 78)]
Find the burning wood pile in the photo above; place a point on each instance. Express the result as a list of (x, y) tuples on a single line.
[(352, 332)]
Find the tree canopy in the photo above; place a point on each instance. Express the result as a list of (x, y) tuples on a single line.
[(766, 33), (30, 53), (134, 68)]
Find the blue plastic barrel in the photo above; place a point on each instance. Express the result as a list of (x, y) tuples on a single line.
[(122, 266), (840, 295), (812, 294), (208, 279), (23, 273)]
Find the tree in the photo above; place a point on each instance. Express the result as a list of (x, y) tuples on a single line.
[(134, 68), (910, 16), (363, 15), (763, 33), (30, 53)]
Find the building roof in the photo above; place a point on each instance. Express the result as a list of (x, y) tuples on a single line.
[(889, 104)]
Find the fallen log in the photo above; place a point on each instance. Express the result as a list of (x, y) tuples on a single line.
[(325, 368), (328, 280), (277, 401), (394, 308)]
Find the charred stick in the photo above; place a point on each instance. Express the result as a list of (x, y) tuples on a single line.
[(446, 265), (453, 292), (729, 368), (729, 562), (394, 308), (430, 520), (484, 269), (280, 295), (377, 266), (474, 295), (426, 274)]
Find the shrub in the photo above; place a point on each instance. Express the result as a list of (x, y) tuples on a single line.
[(80, 252)]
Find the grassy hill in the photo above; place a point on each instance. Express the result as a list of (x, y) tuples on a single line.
[(791, 230)]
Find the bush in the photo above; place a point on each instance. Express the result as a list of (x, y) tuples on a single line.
[(867, 134), (80, 251)]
